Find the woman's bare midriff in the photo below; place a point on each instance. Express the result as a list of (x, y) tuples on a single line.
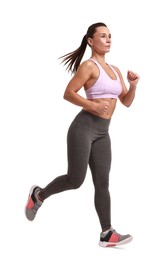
[(112, 104)]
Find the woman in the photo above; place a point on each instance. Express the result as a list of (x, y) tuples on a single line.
[(88, 136)]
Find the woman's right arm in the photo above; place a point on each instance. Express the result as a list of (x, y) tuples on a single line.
[(83, 74)]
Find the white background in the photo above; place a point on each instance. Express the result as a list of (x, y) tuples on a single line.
[(34, 119)]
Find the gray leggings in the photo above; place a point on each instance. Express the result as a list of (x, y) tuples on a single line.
[(88, 143)]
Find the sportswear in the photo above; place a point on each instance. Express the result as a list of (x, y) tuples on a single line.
[(33, 203), (104, 87), (112, 238)]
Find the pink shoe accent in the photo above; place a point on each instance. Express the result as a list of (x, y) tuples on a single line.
[(30, 204), (109, 245), (114, 238)]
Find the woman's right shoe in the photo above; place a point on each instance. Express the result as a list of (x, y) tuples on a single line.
[(33, 203)]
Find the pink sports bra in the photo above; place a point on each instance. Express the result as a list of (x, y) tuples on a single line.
[(104, 87)]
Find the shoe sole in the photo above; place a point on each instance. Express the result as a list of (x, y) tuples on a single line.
[(111, 244)]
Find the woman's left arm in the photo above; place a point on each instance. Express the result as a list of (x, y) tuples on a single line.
[(127, 96)]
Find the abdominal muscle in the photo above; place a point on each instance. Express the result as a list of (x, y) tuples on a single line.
[(112, 105)]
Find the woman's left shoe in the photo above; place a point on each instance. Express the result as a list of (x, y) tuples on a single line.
[(112, 238)]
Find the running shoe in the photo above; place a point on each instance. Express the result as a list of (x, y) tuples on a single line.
[(33, 203), (112, 238)]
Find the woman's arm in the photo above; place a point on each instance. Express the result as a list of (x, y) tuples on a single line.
[(127, 96), (83, 74)]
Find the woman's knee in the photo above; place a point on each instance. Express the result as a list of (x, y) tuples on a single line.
[(102, 184), (75, 182)]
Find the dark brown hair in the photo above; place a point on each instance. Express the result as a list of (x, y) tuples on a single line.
[(73, 59)]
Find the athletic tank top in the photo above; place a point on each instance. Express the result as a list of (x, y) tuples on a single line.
[(104, 87)]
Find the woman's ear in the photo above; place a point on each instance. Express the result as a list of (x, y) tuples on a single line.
[(90, 41)]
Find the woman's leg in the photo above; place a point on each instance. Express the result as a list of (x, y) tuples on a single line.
[(100, 163), (78, 150)]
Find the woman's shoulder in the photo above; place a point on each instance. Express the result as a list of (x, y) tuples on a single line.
[(87, 65)]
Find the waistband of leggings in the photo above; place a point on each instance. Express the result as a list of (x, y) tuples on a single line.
[(96, 120)]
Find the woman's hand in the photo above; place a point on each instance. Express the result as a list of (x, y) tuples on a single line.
[(132, 78), (102, 107)]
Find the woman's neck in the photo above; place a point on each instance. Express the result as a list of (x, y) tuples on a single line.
[(100, 59)]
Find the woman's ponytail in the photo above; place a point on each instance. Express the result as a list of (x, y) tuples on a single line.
[(73, 59)]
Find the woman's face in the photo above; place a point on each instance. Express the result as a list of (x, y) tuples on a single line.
[(101, 41)]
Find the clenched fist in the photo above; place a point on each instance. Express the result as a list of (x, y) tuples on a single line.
[(132, 77)]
